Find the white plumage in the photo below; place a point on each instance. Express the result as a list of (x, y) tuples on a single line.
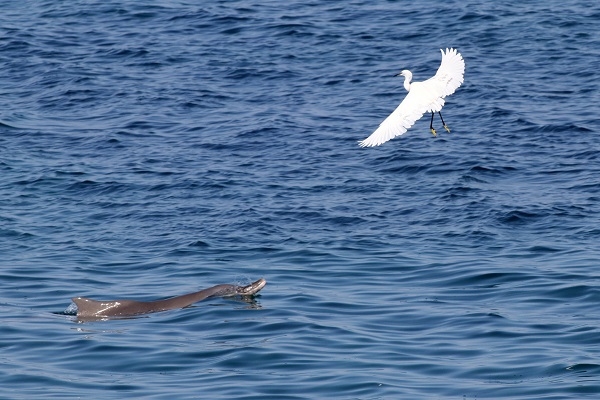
[(422, 97)]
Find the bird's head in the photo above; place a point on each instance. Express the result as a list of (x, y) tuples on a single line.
[(407, 78)]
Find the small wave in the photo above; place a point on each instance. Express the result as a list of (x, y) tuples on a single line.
[(4, 124)]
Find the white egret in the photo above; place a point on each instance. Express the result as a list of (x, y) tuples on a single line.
[(422, 97)]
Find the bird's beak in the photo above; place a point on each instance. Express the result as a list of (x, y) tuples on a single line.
[(399, 74)]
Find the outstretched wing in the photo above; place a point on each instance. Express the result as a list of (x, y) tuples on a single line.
[(398, 122), (447, 79), (427, 96), (449, 75)]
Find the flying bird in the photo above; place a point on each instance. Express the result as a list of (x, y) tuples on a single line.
[(423, 97)]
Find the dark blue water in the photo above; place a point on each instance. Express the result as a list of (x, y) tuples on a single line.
[(150, 150)]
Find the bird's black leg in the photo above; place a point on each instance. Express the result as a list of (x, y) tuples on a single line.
[(445, 126), (431, 125)]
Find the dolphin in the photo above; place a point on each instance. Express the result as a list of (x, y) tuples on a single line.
[(104, 309)]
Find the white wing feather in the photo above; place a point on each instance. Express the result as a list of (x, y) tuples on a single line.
[(398, 122), (450, 74), (426, 96)]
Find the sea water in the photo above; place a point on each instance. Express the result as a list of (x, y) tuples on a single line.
[(151, 149)]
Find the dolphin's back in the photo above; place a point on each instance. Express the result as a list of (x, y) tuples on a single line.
[(88, 308), (94, 308), (117, 308)]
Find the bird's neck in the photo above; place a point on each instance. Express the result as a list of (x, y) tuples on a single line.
[(407, 83)]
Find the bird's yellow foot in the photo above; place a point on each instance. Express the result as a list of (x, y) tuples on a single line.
[(446, 128), (433, 132)]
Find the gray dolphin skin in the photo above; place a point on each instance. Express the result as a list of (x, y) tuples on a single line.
[(94, 309)]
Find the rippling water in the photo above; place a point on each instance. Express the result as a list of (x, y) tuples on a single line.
[(152, 150)]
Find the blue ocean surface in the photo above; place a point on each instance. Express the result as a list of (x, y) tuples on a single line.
[(151, 149)]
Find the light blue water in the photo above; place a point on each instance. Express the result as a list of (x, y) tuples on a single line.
[(152, 150)]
